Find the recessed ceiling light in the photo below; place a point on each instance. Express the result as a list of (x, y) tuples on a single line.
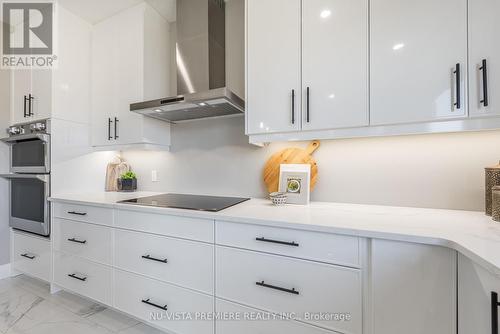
[(202, 104), (158, 110), (398, 46), (325, 13)]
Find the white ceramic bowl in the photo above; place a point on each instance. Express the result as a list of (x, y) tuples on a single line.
[(278, 198)]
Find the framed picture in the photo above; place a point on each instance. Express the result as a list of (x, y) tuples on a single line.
[(295, 182)]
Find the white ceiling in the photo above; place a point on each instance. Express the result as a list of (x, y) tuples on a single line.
[(94, 11), (167, 8)]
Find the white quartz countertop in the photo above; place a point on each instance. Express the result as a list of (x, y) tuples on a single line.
[(472, 233)]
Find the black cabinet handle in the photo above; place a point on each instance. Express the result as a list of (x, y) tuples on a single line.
[(25, 99), (116, 128), (263, 284), (31, 257), (293, 106), (30, 105), (494, 312), (109, 128), (148, 257), (148, 302), (307, 105), (77, 213), (484, 69), (287, 243), (83, 279), (458, 102), (77, 241)]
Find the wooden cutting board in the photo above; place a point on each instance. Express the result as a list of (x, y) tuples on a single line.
[(293, 155)]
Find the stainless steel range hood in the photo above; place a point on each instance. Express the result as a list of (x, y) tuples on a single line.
[(201, 64)]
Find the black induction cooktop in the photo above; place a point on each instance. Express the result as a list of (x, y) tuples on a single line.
[(188, 202)]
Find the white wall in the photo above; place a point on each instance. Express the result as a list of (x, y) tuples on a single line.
[(4, 165), (436, 171)]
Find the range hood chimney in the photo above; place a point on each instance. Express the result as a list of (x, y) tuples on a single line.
[(201, 67)]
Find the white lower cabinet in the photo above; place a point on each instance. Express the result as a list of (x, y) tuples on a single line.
[(476, 287), (163, 305), (321, 247), (413, 288), (258, 279), (83, 213), (320, 294), (89, 241), (238, 319), (83, 277), (31, 255), (173, 226), (185, 263)]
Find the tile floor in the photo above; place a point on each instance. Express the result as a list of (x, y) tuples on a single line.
[(27, 307)]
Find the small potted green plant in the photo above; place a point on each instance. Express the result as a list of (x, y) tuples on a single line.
[(127, 182)]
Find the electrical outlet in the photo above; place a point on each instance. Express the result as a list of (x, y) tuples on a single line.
[(154, 176)]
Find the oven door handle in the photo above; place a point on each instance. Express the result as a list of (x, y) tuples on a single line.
[(41, 177), (15, 139)]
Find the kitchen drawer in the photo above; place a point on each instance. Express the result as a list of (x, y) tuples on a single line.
[(324, 247), (31, 255), (90, 241), (285, 285), (88, 279), (84, 213), (186, 263), (168, 225), (250, 321), (145, 299)]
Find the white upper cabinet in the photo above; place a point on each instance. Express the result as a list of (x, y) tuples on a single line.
[(62, 92), (273, 66), (416, 48), (307, 65), (20, 90), (130, 63), (334, 64), (484, 49), (42, 94)]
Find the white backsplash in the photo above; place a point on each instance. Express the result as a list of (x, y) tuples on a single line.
[(436, 171)]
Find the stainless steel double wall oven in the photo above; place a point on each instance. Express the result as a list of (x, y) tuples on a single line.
[(29, 177)]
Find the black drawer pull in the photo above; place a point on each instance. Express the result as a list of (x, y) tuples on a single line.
[(294, 244), (494, 312), (31, 257), (147, 301), (78, 241), (77, 213), (83, 279), (148, 257), (263, 284)]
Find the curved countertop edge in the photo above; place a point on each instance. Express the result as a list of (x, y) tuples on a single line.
[(481, 244)]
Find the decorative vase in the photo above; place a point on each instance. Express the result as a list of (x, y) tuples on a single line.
[(492, 179)]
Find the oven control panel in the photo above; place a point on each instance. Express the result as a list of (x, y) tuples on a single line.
[(28, 128)]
